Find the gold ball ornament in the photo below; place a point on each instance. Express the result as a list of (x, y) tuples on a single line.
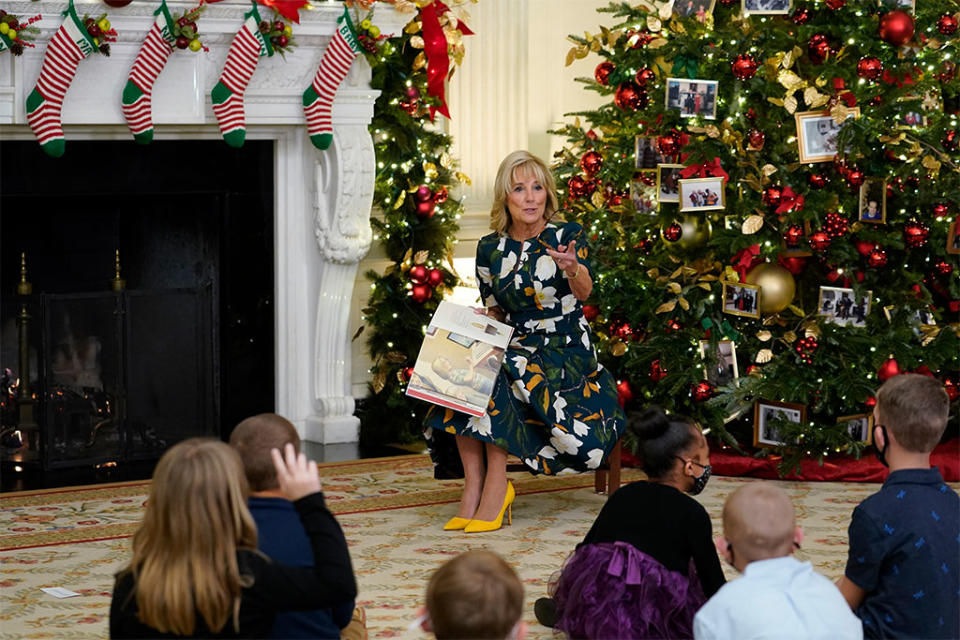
[(777, 286), (696, 232)]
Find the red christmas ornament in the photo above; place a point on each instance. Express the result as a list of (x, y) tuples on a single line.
[(835, 225), (801, 16), (888, 369), (591, 163), (413, 93), (418, 274), (943, 268), (793, 235), (622, 330), (669, 143), (818, 47), (755, 139), (435, 278), (864, 248), (630, 97), (952, 389), (855, 178), (701, 391), (896, 27), (818, 180), (950, 141), (577, 187), (421, 293), (744, 66), (624, 393), (409, 107), (639, 38), (947, 24), (590, 312), (877, 258), (949, 69), (869, 67), (941, 209), (425, 209), (835, 4), (407, 373), (657, 372), (915, 234), (116, 4), (772, 195), (644, 76), (603, 71), (793, 264), (440, 196), (727, 3), (819, 241), (672, 326), (423, 193), (645, 246), (673, 232)]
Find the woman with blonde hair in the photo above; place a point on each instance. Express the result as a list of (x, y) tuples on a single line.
[(196, 571), (553, 405)]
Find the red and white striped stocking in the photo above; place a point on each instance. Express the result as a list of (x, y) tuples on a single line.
[(68, 47), (227, 97), (334, 65), (150, 61)]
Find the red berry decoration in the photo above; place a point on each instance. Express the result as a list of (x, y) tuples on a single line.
[(591, 162), (805, 348), (915, 234), (772, 196), (801, 16), (941, 209), (818, 47), (624, 392), (669, 143), (410, 107), (603, 71), (645, 76), (913, 182), (869, 67), (818, 180), (701, 391), (435, 278), (943, 268), (419, 274), (421, 293), (657, 372), (630, 97), (835, 225), (756, 139), (577, 186), (877, 258), (888, 369), (645, 246), (793, 235), (673, 326), (896, 27), (425, 209), (744, 67), (819, 241), (947, 24), (950, 141), (835, 4), (673, 232), (855, 178), (440, 196)]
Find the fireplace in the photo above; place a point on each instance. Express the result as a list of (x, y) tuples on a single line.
[(182, 343), (314, 215)]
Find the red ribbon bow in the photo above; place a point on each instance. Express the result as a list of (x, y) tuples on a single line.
[(746, 259), (287, 8), (438, 58), (706, 170), (790, 201)]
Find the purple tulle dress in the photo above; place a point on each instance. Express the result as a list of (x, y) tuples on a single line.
[(613, 590)]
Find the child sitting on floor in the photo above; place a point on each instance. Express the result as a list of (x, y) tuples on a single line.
[(645, 565), (778, 597), (903, 567), (475, 595)]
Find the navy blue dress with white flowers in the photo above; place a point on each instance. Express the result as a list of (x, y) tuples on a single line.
[(554, 406)]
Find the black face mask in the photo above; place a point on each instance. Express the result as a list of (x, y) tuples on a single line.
[(700, 482), (882, 453)]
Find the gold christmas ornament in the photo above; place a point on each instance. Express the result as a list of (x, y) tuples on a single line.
[(777, 286), (696, 232)]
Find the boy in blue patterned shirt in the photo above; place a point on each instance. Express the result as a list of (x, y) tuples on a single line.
[(903, 569)]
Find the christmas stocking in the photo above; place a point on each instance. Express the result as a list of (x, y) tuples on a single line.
[(227, 97), (150, 61), (69, 45), (318, 98)]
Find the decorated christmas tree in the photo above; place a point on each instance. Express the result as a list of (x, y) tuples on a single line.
[(772, 195)]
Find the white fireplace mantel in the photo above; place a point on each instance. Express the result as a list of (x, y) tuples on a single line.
[(322, 198)]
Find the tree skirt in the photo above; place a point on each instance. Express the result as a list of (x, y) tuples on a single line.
[(838, 468)]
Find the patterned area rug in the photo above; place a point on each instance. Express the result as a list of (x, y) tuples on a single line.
[(392, 512)]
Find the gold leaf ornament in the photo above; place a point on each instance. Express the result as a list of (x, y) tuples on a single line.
[(421, 256), (790, 104), (653, 24), (675, 288), (751, 225), (430, 170), (814, 98), (420, 61), (618, 349), (764, 356), (463, 178), (666, 307), (790, 81), (764, 335), (416, 42)]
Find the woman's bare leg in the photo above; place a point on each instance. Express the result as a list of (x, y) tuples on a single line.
[(494, 484), (471, 454)]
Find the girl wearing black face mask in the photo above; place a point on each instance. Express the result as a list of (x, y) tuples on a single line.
[(648, 563)]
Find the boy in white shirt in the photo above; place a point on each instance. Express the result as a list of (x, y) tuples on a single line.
[(778, 597)]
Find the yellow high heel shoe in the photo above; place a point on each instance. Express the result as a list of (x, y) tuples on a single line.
[(479, 526), (456, 523)]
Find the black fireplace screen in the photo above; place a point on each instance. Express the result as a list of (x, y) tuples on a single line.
[(112, 376)]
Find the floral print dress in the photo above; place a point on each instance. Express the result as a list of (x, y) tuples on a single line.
[(553, 406)]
